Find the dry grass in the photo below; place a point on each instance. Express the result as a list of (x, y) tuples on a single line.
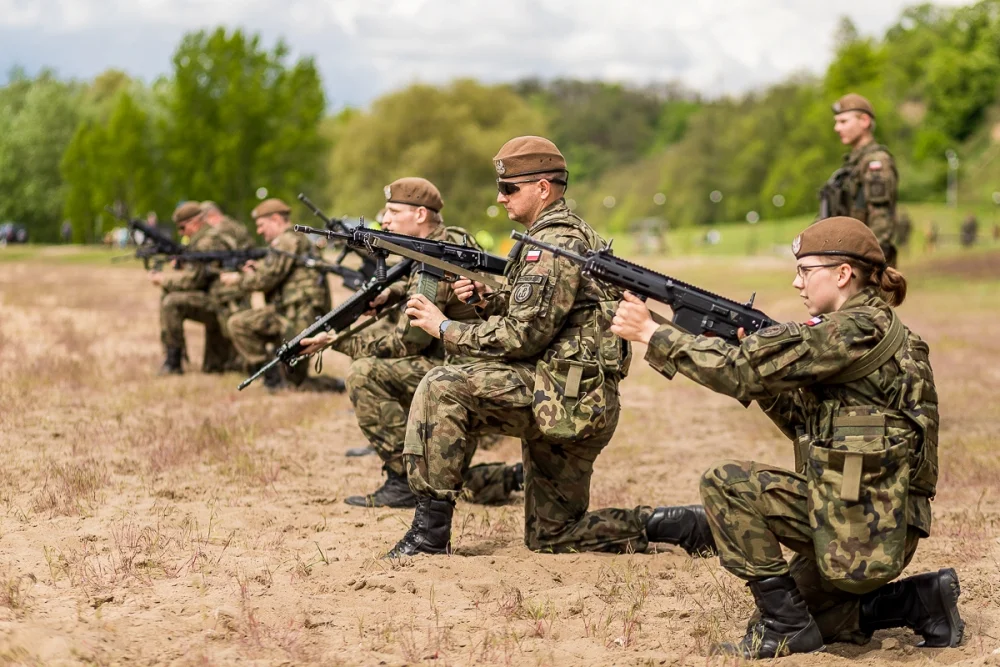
[(173, 520)]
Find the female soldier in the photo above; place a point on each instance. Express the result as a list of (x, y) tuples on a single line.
[(853, 388)]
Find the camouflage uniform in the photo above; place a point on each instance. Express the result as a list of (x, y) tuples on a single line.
[(237, 231), (196, 294), (886, 420), (390, 363), (295, 296), (865, 188), (232, 299), (549, 319)]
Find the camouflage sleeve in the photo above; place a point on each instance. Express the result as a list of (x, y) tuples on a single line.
[(274, 269), (199, 275), (537, 304), (880, 183), (775, 360), (397, 292), (787, 411)]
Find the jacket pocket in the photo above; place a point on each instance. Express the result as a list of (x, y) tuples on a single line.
[(858, 486), (570, 400)]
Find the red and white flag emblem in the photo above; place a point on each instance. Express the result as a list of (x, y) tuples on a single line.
[(533, 256), (814, 321)]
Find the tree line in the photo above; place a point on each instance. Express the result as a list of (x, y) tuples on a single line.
[(233, 117)]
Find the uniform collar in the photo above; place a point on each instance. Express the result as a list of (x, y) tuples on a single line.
[(558, 208), (439, 233), (869, 296)]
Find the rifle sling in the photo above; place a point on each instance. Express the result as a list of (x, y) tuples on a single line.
[(876, 357), (437, 263)]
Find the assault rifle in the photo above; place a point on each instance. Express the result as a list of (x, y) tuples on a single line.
[(834, 187), (444, 261), (338, 225), (231, 260), (696, 311), (338, 319), (155, 242)]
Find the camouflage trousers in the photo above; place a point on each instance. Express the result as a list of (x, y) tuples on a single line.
[(753, 510), (256, 333), (176, 307), (381, 391), (455, 403)]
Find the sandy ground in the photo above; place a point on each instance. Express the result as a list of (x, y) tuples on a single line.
[(148, 520)]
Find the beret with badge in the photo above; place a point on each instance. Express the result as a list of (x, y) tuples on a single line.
[(186, 211), (840, 236), (270, 207), (523, 156), (853, 102), (414, 191)]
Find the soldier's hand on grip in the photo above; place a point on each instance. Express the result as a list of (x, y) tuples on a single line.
[(632, 320)]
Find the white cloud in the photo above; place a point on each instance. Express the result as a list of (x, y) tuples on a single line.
[(366, 47)]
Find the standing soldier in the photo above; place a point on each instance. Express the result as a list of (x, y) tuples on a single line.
[(390, 362), (193, 294), (547, 372), (296, 295), (853, 389), (865, 186)]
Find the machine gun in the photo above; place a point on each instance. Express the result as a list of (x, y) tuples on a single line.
[(338, 319), (696, 311), (440, 259)]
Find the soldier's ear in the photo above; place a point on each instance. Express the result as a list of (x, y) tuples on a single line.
[(844, 274)]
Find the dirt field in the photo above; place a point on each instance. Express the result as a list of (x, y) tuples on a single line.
[(151, 521)]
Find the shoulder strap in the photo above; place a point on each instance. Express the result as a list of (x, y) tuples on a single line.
[(875, 358)]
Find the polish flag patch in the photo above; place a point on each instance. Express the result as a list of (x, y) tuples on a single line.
[(533, 256), (814, 321), (875, 165)]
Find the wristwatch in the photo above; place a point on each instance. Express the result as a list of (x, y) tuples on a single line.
[(444, 325)]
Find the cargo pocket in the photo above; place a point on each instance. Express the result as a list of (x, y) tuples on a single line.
[(858, 486), (570, 399)]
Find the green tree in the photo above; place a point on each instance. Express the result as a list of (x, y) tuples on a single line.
[(447, 135), (238, 117), (37, 119)]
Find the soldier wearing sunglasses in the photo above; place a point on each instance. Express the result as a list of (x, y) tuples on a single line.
[(547, 372)]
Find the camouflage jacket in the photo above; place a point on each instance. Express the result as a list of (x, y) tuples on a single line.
[(786, 368), (237, 232), (297, 292), (403, 340), (199, 276), (865, 188), (548, 308)]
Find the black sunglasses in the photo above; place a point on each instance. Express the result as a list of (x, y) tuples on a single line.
[(507, 188)]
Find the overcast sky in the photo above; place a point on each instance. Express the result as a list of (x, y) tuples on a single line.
[(367, 47)]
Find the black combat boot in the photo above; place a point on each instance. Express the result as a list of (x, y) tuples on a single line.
[(785, 625), (513, 478), (395, 492), (274, 380), (686, 526), (172, 363), (926, 603), (430, 532), (360, 451)]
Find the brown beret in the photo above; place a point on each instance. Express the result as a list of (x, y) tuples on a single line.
[(186, 211), (853, 102), (415, 192), (839, 236), (268, 207), (528, 155)]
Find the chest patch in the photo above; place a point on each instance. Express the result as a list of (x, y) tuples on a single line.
[(875, 165), (522, 293)]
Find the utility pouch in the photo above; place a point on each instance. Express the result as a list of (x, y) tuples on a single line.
[(570, 399), (858, 485)]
